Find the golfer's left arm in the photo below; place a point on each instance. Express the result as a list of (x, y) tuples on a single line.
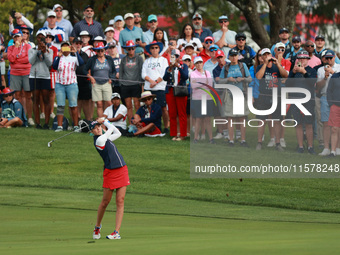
[(112, 132)]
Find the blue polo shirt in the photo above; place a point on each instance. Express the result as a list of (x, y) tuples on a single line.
[(127, 35), (206, 32)]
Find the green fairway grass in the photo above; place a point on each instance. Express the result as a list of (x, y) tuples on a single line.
[(49, 198)]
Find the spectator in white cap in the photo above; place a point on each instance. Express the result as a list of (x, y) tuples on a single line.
[(200, 79), (131, 32), (111, 23), (284, 38), (57, 32), (61, 22), (118, 26), (279, 51), (200, 31), (86, 38), (116, 113), (88, 24), (225, 38), (149, 35), (109, 37), (187, 36)]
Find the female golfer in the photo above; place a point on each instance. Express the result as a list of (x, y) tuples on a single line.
[(115, 174)]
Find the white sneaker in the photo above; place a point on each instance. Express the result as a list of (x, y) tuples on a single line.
[(271, 142), (30, 122), (325, 152), (283, 143), (59, 129), (96, 232), (42, 115), (52, 115), (76, 129), (219, 136), (114, 235), (202, 137), (337, 152)]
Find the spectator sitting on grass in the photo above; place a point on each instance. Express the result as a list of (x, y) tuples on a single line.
[(117, 113), (148, 117), (12, 112)]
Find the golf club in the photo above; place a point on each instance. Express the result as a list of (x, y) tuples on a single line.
[(49, 144)]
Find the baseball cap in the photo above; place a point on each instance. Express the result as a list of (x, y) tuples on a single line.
[(93, 124), (240, 35), (197, 15), (128, 15), (303, 54), (111, 22), (329, 54), (114, 95), (16, 32), (284, 29), (296, 39), (189, 45), (109, 29), (223, 17), (186, 57), (219, 53), (322, 37), (41, 32), (88, 6), (51, 14), (209, 38), (57, 6), (280, 45), (233, 52), (118, 17), (198, 59), (76, 39), (265, 50), (152, 17), (111, 45)]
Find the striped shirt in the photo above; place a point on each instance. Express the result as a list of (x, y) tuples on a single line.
[(67, 70)]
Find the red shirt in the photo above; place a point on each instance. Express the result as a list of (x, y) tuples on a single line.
[(204, 56)]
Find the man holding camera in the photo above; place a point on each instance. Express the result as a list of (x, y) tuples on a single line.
[(324, 75)]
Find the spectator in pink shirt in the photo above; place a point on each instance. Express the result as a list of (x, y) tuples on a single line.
[(314, 60)]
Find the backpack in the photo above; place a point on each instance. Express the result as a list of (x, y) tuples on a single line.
[(65, 123)]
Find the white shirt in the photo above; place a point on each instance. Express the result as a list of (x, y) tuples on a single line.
[(154, 68), (121, 110), (321, 75), (180, 41)]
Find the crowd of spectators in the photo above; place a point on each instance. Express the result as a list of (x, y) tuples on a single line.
[(127, 68)]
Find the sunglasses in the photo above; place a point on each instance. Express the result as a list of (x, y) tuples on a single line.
[(89, 10), (153, 48), (241, 39), (137, 16), (153, 21), (129, 49), (223, 21), (213, 49), (25, 32), (281, 50), (4, 96), (307, 46), (58, 10), (329, 58), (208, 42)]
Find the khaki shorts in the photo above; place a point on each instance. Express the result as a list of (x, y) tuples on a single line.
[(101, 92)]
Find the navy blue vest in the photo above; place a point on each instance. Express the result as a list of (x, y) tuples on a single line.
[(110, 155)]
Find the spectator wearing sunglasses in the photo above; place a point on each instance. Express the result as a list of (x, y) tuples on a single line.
[(224, 38), (200, 31), (61, 22), (245, 53), (313, 60), (324, 75), (212, 62), (138, 20), (284, 38), (149, 35), (279, 53), (87, 24), (294, 51), (205, 53)]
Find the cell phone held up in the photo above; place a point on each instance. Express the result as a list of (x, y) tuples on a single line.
[(13, 14), (173, 57)]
